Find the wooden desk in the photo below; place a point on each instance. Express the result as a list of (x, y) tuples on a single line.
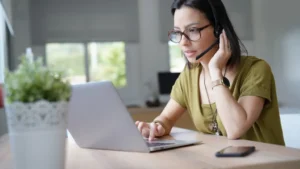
[(199, 156)]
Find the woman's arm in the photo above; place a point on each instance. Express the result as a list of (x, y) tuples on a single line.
[(237, 116), (163, 123), (171, 113)]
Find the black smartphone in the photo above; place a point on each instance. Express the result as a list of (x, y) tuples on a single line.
[(235, 151)]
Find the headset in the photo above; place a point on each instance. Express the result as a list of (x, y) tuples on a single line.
[(217, 30)]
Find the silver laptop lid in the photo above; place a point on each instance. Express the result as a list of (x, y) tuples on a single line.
[(99, 119)]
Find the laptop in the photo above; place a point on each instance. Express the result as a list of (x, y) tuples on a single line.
[(98, 119)]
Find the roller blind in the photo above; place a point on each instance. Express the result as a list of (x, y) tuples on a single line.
[(84, 20)]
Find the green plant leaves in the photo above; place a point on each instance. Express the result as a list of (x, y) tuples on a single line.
[(32, 82)]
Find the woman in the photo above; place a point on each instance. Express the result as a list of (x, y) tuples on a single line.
[(224, 93)]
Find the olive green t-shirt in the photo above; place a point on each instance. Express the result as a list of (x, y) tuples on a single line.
[(254, 78)]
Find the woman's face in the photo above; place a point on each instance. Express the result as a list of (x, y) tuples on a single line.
[(188, 20)]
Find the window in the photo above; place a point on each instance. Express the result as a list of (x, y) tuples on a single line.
[(177, 61), (106, 61), (68, 57)]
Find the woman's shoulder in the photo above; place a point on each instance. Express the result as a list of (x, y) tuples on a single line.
[(254, 64), (251, 60)]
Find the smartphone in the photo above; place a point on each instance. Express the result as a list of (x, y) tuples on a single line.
[(235, 151)]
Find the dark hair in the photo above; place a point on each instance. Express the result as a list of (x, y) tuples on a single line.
[(237, 47)]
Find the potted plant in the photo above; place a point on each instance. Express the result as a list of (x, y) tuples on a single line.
[(36, 104)]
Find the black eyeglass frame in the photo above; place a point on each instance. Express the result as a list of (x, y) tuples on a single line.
[(182, 33)]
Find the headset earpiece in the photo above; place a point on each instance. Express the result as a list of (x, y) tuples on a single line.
[(217, 27), (217, 31)]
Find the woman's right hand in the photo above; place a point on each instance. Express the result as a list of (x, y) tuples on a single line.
[(150, 130)]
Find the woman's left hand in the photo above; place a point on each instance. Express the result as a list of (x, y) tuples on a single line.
[(219, 60)]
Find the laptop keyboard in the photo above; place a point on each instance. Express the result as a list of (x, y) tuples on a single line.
[(152, 144)]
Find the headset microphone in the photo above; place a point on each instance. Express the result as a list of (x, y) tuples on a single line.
[(207, 50), (217, 30)]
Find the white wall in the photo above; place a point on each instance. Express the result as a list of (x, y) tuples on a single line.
[(277, 39), (154, 54)]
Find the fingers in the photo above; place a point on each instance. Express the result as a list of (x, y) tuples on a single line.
[(225, 44), (145, 132), (225, 41), (140, 126), (153, 131), (161, 130), (156, 130), (143, 128), (222, 42)]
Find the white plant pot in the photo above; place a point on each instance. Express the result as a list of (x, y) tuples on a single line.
[(37, 134)]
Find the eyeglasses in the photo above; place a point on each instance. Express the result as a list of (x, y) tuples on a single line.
[(192, 34)]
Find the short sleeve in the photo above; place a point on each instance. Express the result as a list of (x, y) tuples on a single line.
[(258, 81), (177, 92)]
